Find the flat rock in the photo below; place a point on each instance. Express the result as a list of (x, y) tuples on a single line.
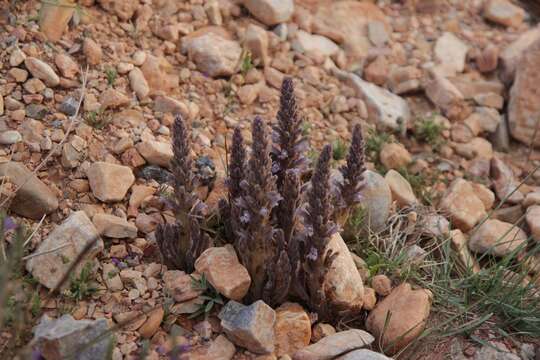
[(109, 182), (395, 156), (292, 329), (34, 199), (270, 12), (42, 71), (343, 282), (10, 137), (503, 12), (114, 226), (67, 66), (445, 95), (214, 55), (410, 310), (512, 54), (65, 338), (363, 354), (462, 205), (156, 152), (450, 53), (152, 323), (314, 44), (386, 110), (219, 349), (159, 74), (112, 99), (523, 106), (69, 238), (497, 238), (251, 327), (222, 269), (178, 284), (334, 345)]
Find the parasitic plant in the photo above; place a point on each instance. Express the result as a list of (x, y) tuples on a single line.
[(348, 191), (182, 243)]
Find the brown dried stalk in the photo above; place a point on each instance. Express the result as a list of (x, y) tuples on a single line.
[(255, 243), (349, 191), (182, 243)]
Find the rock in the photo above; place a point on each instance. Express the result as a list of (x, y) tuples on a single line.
[(384, 108), (292, 329), (17, 57), (270, 12), (370, 299), (334, 345), (65, 338), (506, 185), (533, 221), (523, 107), (124, 9), (36, 111), (363, 354), (436, 225), (111, 277), (151, 326), (112, 98), (450, 53), (484, 194), (67, 66), (251, 327), (214, 55), (382, 285), (343, 283), (410, 310), (377, 71), (109, 182), (10, 137), (402, 191), (395, 156), (488, 59), (462, 205), (33, 199), (92, 51), (459, 245), (444, 95), (159, 74), (178, 284), (42, 71), (54, 18), (314, 44), (220, 349), (1, 105), (155, 152), (34, 86), (213, 12), (138, 83), (71, 237), (512, 54), (256, 40), (376, 199), (222, 269), (497, 238), (69, 106), (249, 93), (503, 12), (114, 226), (377, 33), (495, 351), (321, 330)]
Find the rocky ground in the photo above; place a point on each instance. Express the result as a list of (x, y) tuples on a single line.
[(446, 238)]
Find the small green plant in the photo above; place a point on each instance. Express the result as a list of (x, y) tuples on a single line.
[(429, 131), (210, 296), (247, 63), (82, 287), (339, 150), (97, 119), (111, 75), (375, 142)]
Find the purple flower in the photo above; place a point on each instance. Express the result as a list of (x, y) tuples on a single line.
[(9, 224), (313, 254)]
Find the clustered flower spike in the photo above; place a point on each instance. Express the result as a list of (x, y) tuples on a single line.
[(353, 178), (182, 243)]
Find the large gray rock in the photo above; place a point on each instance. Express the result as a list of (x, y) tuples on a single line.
[(386, 110), (334, 345), (67, 338), (58, 251), (524, 107), (34, 199), (250, 326)]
